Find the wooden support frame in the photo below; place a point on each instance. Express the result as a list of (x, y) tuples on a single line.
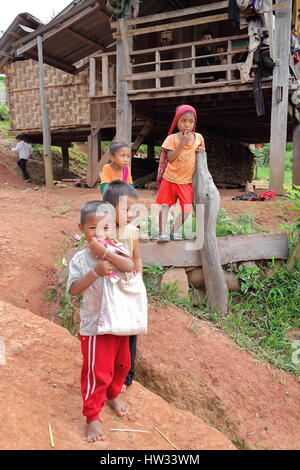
[(280, 90), (65, 154), (141, 137), (123, 104), (45, 121)]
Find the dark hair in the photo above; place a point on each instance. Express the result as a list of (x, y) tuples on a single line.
[(117, 189), (113, 148), (206, 32), (91, 207), (20, 137)]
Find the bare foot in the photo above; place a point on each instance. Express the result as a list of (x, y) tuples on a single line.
[(124, 388), (94, 432), (119, 406)]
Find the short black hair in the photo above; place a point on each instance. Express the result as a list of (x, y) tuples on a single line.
[(113, 148), (20, 137), (117, 189), (206, 32), (91, 207)]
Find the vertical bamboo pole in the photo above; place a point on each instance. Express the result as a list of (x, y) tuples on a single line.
[(45, 121)]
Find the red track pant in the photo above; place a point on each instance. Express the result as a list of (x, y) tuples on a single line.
[(106, 362)]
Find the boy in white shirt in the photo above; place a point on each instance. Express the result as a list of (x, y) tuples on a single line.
[(24, 150)]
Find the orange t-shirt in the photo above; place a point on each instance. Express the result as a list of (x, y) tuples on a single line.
[(182, 169), (108, 174)]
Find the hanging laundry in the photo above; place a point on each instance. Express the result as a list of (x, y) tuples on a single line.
[(234, 13)]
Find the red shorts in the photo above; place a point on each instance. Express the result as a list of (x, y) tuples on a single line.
[(168, 194)]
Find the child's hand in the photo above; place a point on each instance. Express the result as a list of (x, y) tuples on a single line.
[(97, 247), (184, 137), (103, 268)]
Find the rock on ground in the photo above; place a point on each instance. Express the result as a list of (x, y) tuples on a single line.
[(40, 384)]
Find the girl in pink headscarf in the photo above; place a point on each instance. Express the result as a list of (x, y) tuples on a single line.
[(176, 170)]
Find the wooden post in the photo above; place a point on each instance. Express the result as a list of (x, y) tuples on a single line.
[(157, 68), (280, 90), (206, 193), (45, 121), (150, 151), (105, 76), (229, 61), (94, 156), (65, 155), (296, 155), (92, 77), (123, 105), (193, 55)]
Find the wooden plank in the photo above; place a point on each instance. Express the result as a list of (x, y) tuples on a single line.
[(189, 44), (170, 26), (141, 137), (126, 57), (296, 155), (92, 84), (123, 105), (183, 71), (280, 91), (65, 155), (174, 14), (157, 69), (231, 249), (84, 38), (102, 122), (105, 79), (45, 121)]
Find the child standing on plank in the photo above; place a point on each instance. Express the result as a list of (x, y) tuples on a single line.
[(24, 150), (129, 235), (106, 357), (177, 181), (119, 154)]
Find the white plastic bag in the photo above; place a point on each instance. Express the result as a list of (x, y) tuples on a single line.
[(124, 306)]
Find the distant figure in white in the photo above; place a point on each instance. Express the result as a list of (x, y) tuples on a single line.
[(24, 150)]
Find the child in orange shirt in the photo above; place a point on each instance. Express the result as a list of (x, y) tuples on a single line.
[(119, 154), (177, 181)]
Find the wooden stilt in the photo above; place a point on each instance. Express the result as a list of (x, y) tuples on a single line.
[(123, 105), (207, 194), (150, 151), (65, 155), (45, 121), (93, 157), (280, 90), (296, 155)]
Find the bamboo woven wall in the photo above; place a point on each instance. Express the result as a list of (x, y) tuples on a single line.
[(67, 96)]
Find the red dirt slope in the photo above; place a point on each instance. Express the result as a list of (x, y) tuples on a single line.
[(40, 383), (196, 367)]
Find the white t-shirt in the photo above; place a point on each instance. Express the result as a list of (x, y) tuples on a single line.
[(23, 149)]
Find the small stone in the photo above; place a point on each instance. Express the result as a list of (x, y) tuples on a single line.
[(178, 277), (196, 277)]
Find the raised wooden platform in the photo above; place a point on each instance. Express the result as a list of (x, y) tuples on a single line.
[(231, 249)]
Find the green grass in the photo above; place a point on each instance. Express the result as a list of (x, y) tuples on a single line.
[(263, 173), (259, 317)]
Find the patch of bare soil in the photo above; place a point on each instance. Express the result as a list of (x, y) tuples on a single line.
[(40, 384), (196, 367)]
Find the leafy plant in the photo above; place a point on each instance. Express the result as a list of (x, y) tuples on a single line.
[(4, 114), (292, 229)]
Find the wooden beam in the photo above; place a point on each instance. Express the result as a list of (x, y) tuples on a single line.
[(296, 154), (182, 71), (231, 249), (141, 137), (94, 154), (126, 57), (45, 121), (280, 92), (51, 61), (123, 105), (84, 38), (174, 14), (92, 84), (105, 76), (102, 122), (171, 26)]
